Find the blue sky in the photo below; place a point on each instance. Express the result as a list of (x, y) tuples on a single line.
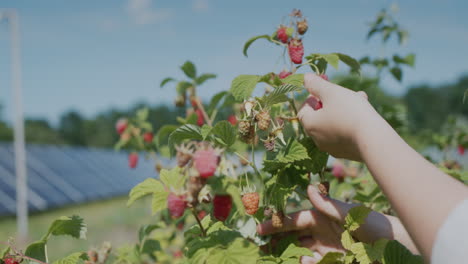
[(91, 55)]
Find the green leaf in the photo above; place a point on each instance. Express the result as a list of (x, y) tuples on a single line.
[(150, 246), (71, 226), (73, 258), (215, 101), (165, 81), (182, 87), (294, 251), (356, 217), (251, 40), (278, 95), (397, 73), (142, 114), (408, 59), (239, 251), (243, 85), (146, 230), (148, 186), (159, 201), (332, 59), (318, 158), (294, 79), (294, 151), (396, 253), (205, 131), (332, 258), (347, 240), (189, 69), (225, 133), (185, 132), (37, 250), (4, 252), (173, 179), (204, 77), (362, 252), (163, 134), (350, 61)]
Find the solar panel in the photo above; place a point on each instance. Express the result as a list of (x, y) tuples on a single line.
[(61, 175)]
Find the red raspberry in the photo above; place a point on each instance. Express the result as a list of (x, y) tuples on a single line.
[(201, 119), (178, 254), (176, 205), (461, 150), (296, 51), (201, 214), (250, 201), (121, 125), (133, 160), (283, 74), (206, 162), (232, 119), (11, 261), (324, 76), (194, 101), (222, 205), (282, 34), (338, 171), (148, 137)]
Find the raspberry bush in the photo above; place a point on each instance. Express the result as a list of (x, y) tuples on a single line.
[(244, 158)]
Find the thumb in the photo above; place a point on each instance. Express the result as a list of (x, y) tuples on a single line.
[(334, 209), (316, 85)]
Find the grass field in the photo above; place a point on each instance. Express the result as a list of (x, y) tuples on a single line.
[(108, 220)]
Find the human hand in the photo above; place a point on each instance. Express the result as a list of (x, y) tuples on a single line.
[(320, 229), (339, 125)]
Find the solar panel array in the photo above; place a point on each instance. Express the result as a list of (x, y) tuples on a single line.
[(60, 175)]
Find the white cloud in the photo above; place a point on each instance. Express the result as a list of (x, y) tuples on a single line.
[(142, 12), (200, 5)]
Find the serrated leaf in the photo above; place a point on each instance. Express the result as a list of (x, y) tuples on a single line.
[(362, 252), (205, 131), (243, 85), (318, 158), (215, 101), (251, 40), (397, 73), (278, 95), (4, 252), (72, 226), (184, 132), (189, 69), (356, 217), (73, 258), (148, 186), (165, 81), (204, 77), (350, 61), (294, 79), (163, 134), (225, 133), (294, 251), (332, 59), (37, 250), (347, 240), (293, 152), (173, 179), (146, 230), (332, 258), (239, 251), (396, 253)]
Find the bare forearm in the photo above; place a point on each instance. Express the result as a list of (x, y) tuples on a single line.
[(421, 194)]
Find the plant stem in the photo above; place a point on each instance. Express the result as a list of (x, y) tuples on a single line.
[(293, 105), (198, 221), (205, 115)]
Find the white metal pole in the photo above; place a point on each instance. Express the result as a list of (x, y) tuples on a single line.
[(19, 141)]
